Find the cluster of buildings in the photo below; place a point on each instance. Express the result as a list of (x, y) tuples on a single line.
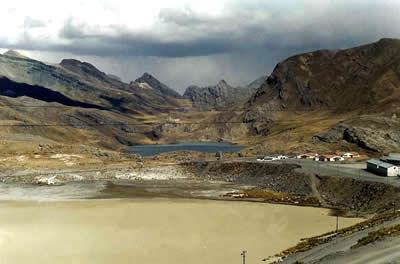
[(273, 157), (387, 166), (338, 156)]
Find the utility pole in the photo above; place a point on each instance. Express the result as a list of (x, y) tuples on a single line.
[(337, 225), (244, 256)]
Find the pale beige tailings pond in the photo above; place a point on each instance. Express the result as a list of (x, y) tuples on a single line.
[(150, 231)]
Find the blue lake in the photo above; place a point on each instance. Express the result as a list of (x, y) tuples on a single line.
[(212, 147)]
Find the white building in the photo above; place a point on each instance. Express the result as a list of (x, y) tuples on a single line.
[(267, 158), (392, 160), (382, 168), (328, 158), (348, 155), (307, 156)]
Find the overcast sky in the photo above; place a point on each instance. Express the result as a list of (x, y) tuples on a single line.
[(184, 42)]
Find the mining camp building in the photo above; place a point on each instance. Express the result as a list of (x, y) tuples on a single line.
[(382, 168), (392, 160)]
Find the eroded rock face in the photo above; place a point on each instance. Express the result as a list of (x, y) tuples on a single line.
[(333, 135), (217, 97), (377, 134)]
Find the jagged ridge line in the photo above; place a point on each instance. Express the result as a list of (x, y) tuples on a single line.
[(182, 109), (144, 124)]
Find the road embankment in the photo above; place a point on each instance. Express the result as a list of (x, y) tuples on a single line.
[(352, 196)]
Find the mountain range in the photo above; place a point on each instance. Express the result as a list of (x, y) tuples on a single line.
[(75, 102), (317, 101), (326, 100)]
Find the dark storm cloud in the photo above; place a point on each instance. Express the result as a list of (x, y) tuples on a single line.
[(87, 40), (246, 41), (181, 33), (241, 28)]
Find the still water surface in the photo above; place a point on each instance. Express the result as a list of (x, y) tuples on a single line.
[(150, 231), (211, 147)]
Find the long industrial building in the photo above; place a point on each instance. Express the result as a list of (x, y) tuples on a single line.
[(383, 168)]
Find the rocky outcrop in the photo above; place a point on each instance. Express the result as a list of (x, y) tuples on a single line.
[(275, 177), (219, 96), (376, 134), (157, 85)]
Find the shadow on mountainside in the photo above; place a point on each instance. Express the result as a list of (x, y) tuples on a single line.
[(13, 89)]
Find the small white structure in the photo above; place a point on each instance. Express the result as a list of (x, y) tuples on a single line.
[(382, 168), (270, 158), (348, 155), (267, 158), (329, 158), (338, 158), (307, 156), (273, 157)]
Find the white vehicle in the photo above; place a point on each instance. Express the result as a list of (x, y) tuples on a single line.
[(267, 158), (282, 157)]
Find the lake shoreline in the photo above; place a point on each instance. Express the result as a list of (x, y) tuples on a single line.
[(205, 147)]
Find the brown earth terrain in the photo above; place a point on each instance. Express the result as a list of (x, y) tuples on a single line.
[(321, 101), (71, 122)]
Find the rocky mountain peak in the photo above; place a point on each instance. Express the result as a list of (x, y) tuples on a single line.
[(82, 68), (157, 85), (16, 54), (147, 75), (222, 83), (77, 63)]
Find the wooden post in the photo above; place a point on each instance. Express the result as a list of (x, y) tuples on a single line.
[(244, 256)]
